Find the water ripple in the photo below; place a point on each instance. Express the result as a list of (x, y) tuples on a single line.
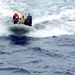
[(2, 47), (38, 72), (34, 62), (1, 52), (16, 70), (48, 53), (1, 63)]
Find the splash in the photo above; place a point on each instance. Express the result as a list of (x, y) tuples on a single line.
[(62, 23), (66, 25), (53, 31)]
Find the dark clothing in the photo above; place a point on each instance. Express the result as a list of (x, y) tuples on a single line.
[(25, 22), (15, 22), (29, 20)]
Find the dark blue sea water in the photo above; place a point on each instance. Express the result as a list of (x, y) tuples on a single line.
[(48, 51)]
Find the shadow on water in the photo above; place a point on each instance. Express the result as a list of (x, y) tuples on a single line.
[(20, 40)]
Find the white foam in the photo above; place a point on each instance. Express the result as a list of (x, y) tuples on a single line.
[(62, 29), (68, 12), (65, 28), (45, 18), (55, 31), (4, 10)]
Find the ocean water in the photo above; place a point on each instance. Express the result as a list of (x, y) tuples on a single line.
[(48, 51)]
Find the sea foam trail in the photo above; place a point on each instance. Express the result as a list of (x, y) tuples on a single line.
[(67, 13), (66, 26)]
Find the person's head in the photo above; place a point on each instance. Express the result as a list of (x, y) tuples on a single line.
[(15, 13), (28, 14), (23, 15)]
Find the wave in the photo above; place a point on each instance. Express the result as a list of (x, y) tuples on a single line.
[(46, 53), (15, 70), (1, 52)]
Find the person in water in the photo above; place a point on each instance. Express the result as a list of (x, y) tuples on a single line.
[(22, 19), (28, 20), (15, 18)]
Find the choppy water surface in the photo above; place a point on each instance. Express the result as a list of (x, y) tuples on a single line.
[(48, 51)]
